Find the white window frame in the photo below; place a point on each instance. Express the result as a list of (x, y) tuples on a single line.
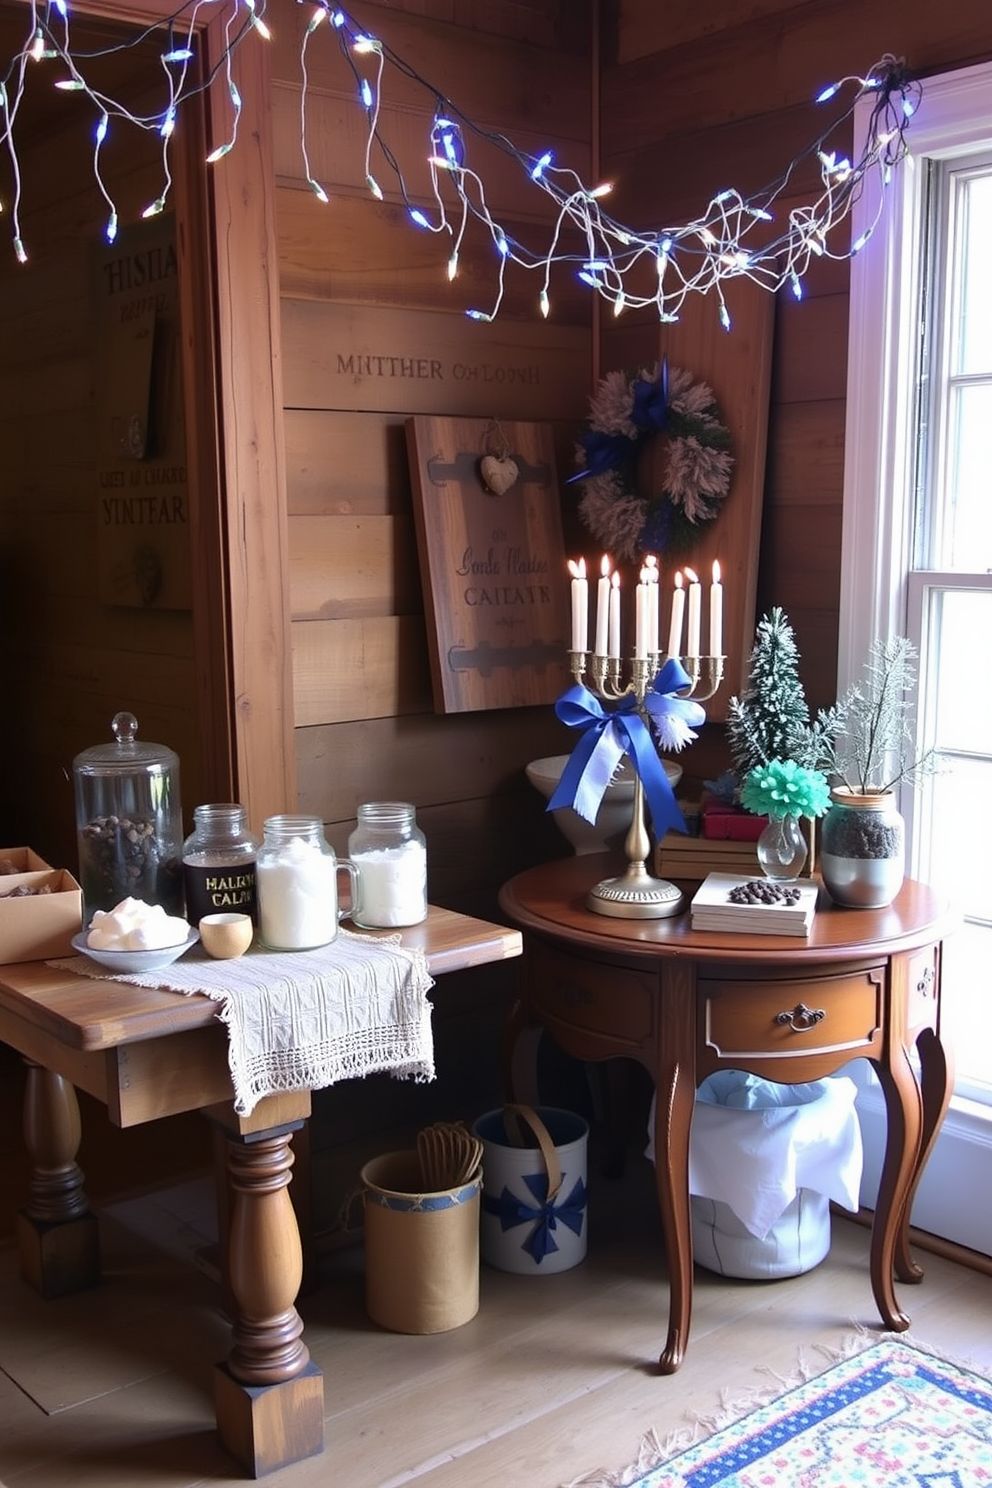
[(879, 450), (955, 1195)]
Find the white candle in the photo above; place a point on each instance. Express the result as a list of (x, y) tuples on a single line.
[(614, 646), (692, 641), (580, 604), (603, 606), (716, 613), (678, 611), (641, 618), (654, 605)]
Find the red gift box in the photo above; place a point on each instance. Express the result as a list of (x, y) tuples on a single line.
[(725, 822)]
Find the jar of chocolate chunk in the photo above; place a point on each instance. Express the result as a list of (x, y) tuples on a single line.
[(129, 827), (219, 863)]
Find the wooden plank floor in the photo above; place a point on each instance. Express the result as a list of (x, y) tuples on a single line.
[(112, 1388)]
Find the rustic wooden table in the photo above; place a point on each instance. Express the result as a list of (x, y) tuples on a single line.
[(148, 1054), (684, 1003)]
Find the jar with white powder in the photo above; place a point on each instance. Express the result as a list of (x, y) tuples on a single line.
[(297, 884), (389, 853)]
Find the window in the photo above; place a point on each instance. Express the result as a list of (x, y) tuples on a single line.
[(918, 550), (949, 592)]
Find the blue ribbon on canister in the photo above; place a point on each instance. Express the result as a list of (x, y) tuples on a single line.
[(544, 1215)]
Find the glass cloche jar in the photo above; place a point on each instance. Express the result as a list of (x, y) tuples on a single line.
[(129, 827)]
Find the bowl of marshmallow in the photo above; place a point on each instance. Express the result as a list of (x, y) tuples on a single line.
[(134, 937)]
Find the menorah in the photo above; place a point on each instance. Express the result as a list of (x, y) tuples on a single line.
[(636, 893)]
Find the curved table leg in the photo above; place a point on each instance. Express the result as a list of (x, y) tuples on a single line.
[(676, 1095), (904, 1117), (269, 1395), (57, 1235), (936, 1084), (672, 1118)]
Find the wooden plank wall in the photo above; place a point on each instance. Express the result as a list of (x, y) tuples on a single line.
[(373, 332), (699, 98), (69, 661), (358, 281)]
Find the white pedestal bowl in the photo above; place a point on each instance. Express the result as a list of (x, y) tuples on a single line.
[(615, 812)]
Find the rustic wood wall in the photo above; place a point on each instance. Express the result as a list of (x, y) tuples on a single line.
[(70, 660), (373, 332), (698, 98)]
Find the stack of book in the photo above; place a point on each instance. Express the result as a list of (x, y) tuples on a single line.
[(756, 906), (692, 858)]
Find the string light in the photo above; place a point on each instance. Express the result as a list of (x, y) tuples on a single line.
[(630, 268), (233, 34), (314, 21), (110, 232)]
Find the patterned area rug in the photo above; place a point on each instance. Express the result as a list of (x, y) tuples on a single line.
[(894, 1413)]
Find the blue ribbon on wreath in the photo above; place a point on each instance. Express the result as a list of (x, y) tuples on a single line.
[(650, 402), (603, 452), (648, 414), (608, 736), (544, 1214)]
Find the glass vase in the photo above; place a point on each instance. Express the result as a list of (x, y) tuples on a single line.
[(782, 849)]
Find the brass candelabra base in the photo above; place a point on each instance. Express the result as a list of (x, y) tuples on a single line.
[(636, 895)]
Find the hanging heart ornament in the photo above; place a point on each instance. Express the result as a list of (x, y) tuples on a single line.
[(498, 473)]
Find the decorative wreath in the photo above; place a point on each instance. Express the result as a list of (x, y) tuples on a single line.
[(625, 413)]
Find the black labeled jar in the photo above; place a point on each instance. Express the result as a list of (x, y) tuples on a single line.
[(219, 858), (129, 826)]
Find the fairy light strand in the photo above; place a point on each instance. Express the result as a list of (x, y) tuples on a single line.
[(734, 237)]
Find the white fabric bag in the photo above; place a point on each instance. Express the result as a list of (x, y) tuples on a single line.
[(765, 1160)]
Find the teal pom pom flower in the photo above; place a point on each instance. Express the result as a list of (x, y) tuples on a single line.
[(783, 788)]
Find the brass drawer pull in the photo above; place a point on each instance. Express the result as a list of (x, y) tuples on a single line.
[(801, 1018)]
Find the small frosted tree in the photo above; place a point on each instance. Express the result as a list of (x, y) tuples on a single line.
[(771, 718)]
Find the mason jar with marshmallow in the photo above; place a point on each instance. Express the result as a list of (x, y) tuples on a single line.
[(389, 854)]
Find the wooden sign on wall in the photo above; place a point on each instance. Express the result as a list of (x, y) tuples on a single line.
[(492, 565), (143, 503)]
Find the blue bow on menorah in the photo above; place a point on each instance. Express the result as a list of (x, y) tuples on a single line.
[(608, 736), (512, 1211)]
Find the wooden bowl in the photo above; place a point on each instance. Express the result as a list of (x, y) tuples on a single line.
[(226, 936)]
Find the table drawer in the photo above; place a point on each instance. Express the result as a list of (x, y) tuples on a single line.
[(788, 1019), (591, 996)]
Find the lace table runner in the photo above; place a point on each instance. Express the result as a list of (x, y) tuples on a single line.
[(305, 1019)]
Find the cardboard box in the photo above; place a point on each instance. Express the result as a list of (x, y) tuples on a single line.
[(20, 860), (36, 927)]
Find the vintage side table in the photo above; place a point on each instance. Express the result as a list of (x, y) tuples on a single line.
[(684, 1003)]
